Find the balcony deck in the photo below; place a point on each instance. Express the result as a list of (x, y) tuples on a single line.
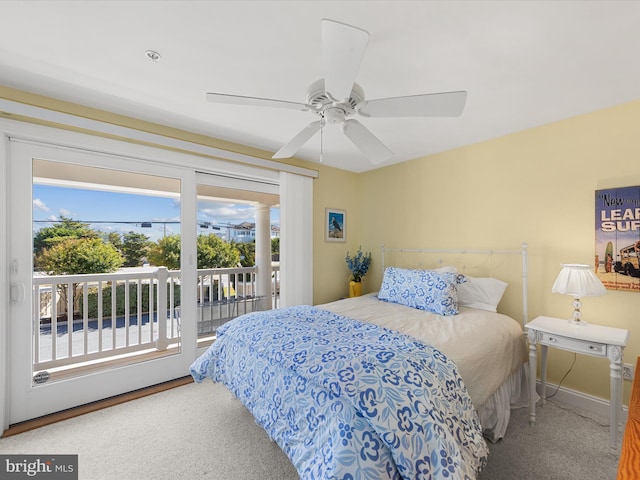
[(133, 299)]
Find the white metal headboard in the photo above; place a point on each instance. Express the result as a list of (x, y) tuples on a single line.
[(522, 252)]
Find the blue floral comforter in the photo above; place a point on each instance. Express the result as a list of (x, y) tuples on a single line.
[(346, 399)]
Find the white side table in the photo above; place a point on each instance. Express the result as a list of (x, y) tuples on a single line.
[(595, 340)]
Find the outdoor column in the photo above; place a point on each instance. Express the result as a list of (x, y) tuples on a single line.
[(263, 255)]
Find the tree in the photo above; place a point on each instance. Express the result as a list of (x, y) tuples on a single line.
[(70, 256), (66, 228), (135, 246), (80, 255), (166, 252), (115, 239), (213, 252), (247, 251)]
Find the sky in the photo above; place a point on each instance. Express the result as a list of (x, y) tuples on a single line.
[(110, 208)]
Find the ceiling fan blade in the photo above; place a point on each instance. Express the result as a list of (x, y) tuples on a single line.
[(343, 48), (449, 104), (256, 101), (290, 149), (367, 142)]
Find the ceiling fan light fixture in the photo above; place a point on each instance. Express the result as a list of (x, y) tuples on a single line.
[(334, 115)]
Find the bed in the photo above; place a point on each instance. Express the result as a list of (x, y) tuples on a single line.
[(380, 386)]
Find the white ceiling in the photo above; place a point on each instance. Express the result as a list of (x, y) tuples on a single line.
[(523, 64)]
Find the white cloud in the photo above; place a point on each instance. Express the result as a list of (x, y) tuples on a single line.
[(64, 212), (40, 205), (229, 213)]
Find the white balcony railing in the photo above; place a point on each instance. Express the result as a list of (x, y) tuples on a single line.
[(127, 313)]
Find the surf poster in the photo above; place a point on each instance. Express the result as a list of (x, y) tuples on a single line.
[(617, 252)]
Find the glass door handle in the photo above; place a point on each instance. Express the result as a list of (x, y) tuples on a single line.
[(16, 292)]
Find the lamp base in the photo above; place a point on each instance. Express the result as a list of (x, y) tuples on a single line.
[(578, 322), (577, 314)]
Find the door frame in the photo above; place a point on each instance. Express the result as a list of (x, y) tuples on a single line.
[(151, 156), (26, 400)]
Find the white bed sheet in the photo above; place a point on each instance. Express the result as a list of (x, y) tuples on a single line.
[(487, 347)]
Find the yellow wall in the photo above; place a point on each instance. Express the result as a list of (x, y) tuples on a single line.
[(535, 186), (334, 189)]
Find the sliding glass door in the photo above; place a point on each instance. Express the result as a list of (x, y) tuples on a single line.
[(97, 287), (100, 238), (238, 233)]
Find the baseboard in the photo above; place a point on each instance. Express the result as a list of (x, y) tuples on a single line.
[(596, 406)]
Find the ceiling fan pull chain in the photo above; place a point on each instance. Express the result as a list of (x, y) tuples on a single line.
[(321, 142)]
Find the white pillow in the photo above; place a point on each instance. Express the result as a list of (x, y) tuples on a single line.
[(481, 293)]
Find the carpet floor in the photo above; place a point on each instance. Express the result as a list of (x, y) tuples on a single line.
[(200, 431)]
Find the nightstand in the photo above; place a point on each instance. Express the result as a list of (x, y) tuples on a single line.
[(595, 340)]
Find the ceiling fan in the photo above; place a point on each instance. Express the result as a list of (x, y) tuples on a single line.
[(337, 97)]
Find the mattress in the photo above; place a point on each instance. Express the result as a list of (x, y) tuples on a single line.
[(487, 347)]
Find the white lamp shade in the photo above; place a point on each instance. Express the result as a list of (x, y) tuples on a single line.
[(579, 281)]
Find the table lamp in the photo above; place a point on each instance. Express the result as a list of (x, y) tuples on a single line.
[(578, 281)]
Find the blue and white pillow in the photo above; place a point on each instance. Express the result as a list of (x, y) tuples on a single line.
[(434, 291)]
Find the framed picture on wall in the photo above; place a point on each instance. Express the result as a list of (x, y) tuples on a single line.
[(617, 255), (335, 229)]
